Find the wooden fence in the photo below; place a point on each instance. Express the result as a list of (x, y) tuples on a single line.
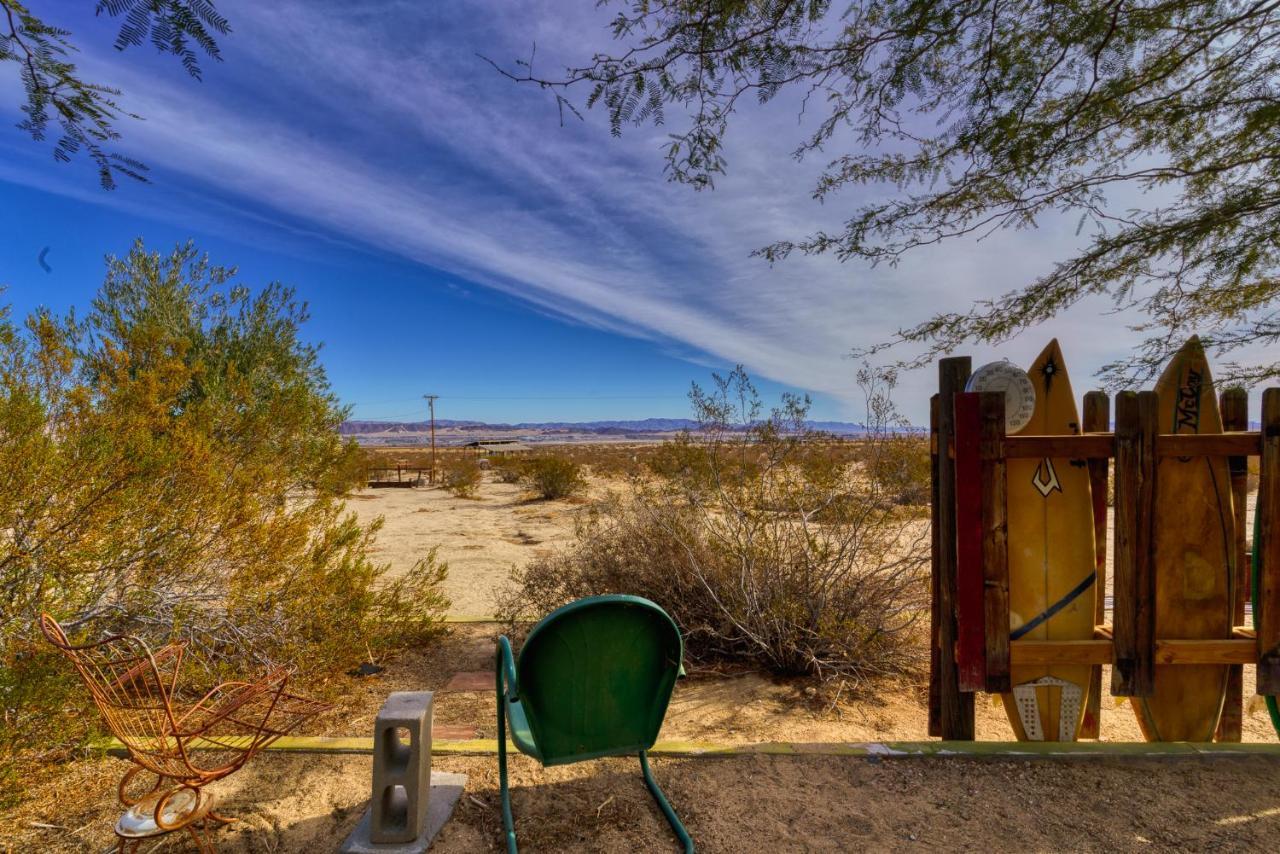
[(971, 648)]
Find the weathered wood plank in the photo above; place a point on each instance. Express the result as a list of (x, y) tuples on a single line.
[(1133, 674), (995, 543), (955, 707), (1097, 419), (1101, 445), (971, 655), (1209, 444), (1234, 406), (935, 578), (1268, 547), (1100, 651)]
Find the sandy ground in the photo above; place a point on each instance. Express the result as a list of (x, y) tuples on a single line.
[(480, 538), (309, 803)]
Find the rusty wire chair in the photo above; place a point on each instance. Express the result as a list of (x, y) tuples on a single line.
[(186, 746)]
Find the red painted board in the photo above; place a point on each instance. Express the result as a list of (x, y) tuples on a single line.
[(971, 652)]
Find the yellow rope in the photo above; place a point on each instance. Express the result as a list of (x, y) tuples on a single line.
[(887, 749)]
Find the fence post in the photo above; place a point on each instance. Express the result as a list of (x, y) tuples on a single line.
[(1137, 422), (995, 542), (1234, 404), (971, 629), (955, 708), (1097, 419), (1267, 547)]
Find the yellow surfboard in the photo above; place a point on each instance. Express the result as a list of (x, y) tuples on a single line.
[(1194, 557), (1052, 577)]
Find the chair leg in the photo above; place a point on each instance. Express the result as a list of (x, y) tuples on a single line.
[(664, 805), (508, 823)]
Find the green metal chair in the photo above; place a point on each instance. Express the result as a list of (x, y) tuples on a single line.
[(593, 679)]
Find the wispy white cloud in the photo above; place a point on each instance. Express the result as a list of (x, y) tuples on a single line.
[(382, 126)]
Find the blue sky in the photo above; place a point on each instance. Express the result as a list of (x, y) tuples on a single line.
[(451, 236)]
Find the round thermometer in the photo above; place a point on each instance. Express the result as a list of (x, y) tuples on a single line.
[(1019, 393)]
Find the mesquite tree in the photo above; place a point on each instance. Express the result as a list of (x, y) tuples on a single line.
[(990, 114), (84, 112), (170, 466)]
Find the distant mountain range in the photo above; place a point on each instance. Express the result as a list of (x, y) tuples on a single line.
[(451, 432)]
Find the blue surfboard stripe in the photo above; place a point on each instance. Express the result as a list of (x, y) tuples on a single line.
[(1055, 607)]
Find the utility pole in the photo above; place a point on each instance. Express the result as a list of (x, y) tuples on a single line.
[(431, 405)]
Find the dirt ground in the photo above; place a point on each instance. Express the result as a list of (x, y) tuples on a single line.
[(308, 803), (291, 804), (480, 538)]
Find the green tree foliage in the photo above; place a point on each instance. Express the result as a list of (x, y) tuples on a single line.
[(85, 112), (990, 114), (170, 467)]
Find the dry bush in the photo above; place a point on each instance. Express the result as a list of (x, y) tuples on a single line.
[(507, 469), (615, 461), (552, 477), (743, 548), (170, 467), (461, 477), (684, 458), (900, 464)]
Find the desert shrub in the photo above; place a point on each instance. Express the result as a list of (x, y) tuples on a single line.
[(507, 469), (737, 551), (900, 463), (461, 477), (552, 476), (682, 459), (615, 461), (170, 467)]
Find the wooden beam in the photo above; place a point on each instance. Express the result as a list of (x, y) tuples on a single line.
[(1100, 445), (971, 655), (1097, 419), (1101, 651), (1267, 547), (1234, 405), (955, 707), (995, 543), (1089, 446), (1133, 674), (1040, 653), (1210, 444)]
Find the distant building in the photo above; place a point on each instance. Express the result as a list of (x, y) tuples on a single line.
[(498, 447)]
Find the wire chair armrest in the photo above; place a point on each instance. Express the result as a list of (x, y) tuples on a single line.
[(223, 700)]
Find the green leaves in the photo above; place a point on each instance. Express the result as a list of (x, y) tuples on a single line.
[(86, 113), (170, 465), (989, 114)]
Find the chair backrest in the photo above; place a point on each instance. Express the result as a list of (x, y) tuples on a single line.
[(596, 675), (132, 689)]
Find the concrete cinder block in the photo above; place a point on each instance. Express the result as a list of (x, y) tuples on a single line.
[(445, 790), (401, 767), (409, 804)]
